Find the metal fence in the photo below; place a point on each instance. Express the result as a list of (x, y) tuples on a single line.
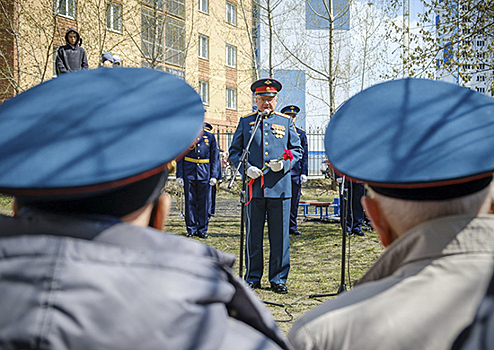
[(315, 140)]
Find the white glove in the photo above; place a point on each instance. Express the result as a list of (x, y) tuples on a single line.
[(275, 165), (212, 181), (303, 178), (180, 181), (339, 180), (253, 172)]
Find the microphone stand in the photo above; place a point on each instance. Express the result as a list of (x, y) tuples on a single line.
[(343, 218), (243, 193)]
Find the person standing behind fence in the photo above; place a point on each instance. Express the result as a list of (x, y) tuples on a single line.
[(299, 171), (71, 57), (270, 185), (197, 172)]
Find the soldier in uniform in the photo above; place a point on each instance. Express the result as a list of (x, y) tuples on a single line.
[(84, 263), (299, 171), (197, 171), (270, 191)]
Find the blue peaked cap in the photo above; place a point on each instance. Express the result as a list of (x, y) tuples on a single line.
[(413, 133), (95, 130)]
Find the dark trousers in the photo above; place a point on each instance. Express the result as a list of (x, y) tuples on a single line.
[(277, 211), (197, 205), (355, 211), (296, 189)]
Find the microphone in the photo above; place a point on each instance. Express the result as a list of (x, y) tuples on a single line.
[(264, 113)]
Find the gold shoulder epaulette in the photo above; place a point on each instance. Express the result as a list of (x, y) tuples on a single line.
[(281, 114), (248, 115)]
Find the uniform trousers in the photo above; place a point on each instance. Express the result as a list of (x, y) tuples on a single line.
[(296, 189), (277, 212), (197, 205)]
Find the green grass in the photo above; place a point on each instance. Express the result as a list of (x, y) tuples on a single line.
[(315, 255)]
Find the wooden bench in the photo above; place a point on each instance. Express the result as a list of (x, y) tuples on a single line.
[(321, 209)]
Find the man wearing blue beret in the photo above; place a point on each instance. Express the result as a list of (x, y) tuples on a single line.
[(198, 172), (424, 149), (299, 171), (274, 150), (84, 263)]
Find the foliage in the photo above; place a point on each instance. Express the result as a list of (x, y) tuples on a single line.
[(452, 39)]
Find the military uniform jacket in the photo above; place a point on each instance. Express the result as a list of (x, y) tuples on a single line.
[(420, 294), (275, 134), (202, 160), (302, 166), (87, 283)]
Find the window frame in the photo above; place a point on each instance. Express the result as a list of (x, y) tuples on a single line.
[(175, 42), (231, 98), (203, 6), (231, 13), (110, 16), (203, 47), (146, 12), (70, 8), (231, 56), (203, 90)]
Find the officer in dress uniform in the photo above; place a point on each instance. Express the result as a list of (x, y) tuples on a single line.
[(217, 176), (299, 171), (84, 263), (197, 172), (270, 192)]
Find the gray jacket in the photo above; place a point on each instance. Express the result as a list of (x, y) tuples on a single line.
[(420, 294), (69, 282)]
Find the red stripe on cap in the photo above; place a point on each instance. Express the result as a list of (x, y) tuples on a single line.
[(84, 189)]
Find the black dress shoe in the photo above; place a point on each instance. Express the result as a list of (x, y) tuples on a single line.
[(279, 288), (254, 285), (295, 232), (202, 235), (358, 233)]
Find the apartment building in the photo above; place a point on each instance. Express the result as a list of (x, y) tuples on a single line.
[(205, 42), (467, 43)]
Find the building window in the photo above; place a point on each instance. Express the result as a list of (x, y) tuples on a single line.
[(114, 16), (204, 6), (204, 91), (480, 78), (155, 4), (177, 72), (480, 42), (231, 98), (231, 56), (203, 47), (481, 66), (65, 7), (176, 8), (152, 34), (175, 42), (231, 13), (480, 89)]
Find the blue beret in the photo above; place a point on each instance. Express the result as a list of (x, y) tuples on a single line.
[(413, 133), (292, 109), (95, 130)]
